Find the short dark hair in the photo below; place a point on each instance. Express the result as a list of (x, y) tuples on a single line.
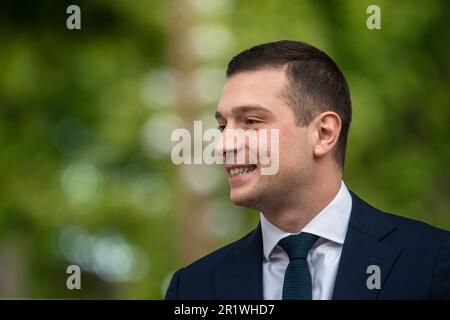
[(315, 83)]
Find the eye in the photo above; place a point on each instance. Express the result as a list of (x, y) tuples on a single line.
[(221, 127), (251, 121)]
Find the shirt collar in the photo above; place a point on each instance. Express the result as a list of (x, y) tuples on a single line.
[(331, 223)]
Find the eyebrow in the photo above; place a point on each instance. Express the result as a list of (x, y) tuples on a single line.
[(238, 110)]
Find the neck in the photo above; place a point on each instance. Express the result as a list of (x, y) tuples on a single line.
[(294, 216)]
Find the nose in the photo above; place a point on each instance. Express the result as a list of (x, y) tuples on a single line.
[(228, 146)]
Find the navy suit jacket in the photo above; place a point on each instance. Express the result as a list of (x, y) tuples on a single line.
[(414, 260)]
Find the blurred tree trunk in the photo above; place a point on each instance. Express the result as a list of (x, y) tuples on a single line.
[(193, 239), (12, 262)]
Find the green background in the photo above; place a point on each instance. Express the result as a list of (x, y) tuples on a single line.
[(86, 116)]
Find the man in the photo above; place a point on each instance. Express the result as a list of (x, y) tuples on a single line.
[(316, 239)]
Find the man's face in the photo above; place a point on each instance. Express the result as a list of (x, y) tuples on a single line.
[(253, 100)]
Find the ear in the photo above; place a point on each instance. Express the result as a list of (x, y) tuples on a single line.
[(327, 128)]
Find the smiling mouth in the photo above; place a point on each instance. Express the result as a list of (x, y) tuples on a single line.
[(241, 170)]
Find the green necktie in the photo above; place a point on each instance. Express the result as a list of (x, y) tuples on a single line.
[(297, 279)]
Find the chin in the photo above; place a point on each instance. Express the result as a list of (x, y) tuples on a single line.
[(245, 199)]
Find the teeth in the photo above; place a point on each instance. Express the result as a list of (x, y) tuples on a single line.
[(241, 170)]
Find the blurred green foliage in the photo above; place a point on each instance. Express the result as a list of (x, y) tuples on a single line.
[(84, 180)]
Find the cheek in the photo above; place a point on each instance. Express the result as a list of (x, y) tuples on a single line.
[(294, 147)]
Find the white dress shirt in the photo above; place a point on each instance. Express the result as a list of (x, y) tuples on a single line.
[(323, 258)]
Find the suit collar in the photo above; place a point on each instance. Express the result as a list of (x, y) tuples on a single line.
[(369, 220), (363, 247)]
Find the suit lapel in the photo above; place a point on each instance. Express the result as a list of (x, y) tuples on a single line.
[(362, 248), (241, 277)]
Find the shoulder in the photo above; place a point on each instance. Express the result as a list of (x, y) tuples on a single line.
[(195, 280), (418, 230), (424, 249), (420, 244), (403, 230), (427, 248), (422, 263)]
